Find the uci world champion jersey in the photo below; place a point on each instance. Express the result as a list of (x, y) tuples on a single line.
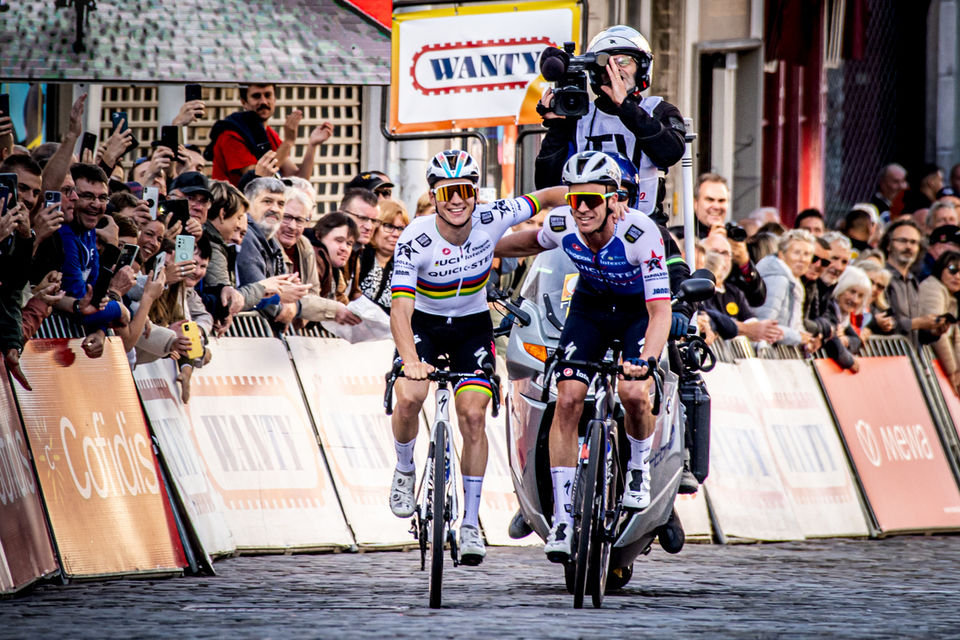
[(446, 279), (631, 264)]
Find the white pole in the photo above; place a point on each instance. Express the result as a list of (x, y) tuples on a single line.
[(689, 234)]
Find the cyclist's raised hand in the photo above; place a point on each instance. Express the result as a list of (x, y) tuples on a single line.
[(417, 370)]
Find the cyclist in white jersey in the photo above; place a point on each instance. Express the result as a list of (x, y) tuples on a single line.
[(623, 293), (441, 266)]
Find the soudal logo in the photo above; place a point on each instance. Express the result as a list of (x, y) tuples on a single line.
[(485, 65)]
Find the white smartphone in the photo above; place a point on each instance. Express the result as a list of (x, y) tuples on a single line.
[(158, 267), (183, 249), (152, 196)]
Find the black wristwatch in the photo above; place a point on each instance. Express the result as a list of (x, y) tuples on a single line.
[(76, 306)]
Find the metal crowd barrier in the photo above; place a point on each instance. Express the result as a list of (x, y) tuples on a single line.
[(58, 325)]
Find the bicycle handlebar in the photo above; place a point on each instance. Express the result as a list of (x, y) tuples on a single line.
[(612, 368), (444, 377)]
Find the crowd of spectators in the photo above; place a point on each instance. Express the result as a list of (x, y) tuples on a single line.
[(164, 258), (891, 267), (105, 255)]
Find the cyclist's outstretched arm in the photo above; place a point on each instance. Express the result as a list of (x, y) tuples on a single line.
[(518, 244), (551, 197)]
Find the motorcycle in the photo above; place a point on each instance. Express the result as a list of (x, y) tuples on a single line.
[(531, 398)]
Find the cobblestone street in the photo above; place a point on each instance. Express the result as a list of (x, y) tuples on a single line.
[(904, 587)]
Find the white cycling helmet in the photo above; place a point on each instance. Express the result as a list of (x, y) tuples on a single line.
[(593, 167), (452, 163), (621, 39)]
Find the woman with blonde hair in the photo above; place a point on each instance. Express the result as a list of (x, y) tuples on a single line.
[(877, 318), (376, 259)]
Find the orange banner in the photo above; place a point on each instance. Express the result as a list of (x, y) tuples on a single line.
[(108, 508), (949, 395), (894, 446), (26, 552)]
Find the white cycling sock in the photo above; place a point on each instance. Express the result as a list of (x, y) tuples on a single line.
[(563, 478), (640, 453), (405, 455), (471, 500)]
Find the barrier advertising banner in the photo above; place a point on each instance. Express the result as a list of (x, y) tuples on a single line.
[(175, 434), (949, 395), (694, 515), (26, 552), (744, 487), (344, 385), (895, 448), (474, 65), (813, 466), (100, 481), (261, 453)]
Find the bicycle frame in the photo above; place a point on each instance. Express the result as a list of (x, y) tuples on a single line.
[(451, 482)]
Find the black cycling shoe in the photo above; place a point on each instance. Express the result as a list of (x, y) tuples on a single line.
[(518, 527)]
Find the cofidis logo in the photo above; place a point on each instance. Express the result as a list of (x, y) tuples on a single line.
[(485, 65)]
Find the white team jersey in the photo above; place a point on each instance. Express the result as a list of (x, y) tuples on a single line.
[(446, 279)]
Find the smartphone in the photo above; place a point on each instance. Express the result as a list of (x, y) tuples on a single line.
[(178, 210), (192, 331), (128, 253), (51, 198), (159, 264), (103, 283), (109, 256), (89, 142), (9, 180), (192, 92), (183, 250), (4, 104), (152, 195), (4, 192), (949, 318), (116, 117), (170, 137)]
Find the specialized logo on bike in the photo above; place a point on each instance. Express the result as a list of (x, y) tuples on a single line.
[(484, 65)]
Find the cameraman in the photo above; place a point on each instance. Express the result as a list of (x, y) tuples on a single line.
[(649, 131)]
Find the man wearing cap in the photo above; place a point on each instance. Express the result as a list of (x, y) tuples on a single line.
[(240, 139), (375, 181), (942, 239), (193, 187)]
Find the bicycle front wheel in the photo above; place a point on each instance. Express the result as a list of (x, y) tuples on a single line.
[(605, 520), (438, 510), (586, 508)]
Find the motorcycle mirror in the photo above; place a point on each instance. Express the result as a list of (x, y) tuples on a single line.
[(696, 290), (704, 273)]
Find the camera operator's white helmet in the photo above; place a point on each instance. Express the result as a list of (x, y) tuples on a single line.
[(452, 163), (623, 40), (593, 167)]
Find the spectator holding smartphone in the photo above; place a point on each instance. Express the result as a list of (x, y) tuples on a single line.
[(938, 297)]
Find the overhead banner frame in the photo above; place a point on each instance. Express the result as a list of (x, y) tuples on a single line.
[(443, 61)]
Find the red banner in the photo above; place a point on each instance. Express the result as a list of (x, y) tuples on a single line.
[(108, 508), (949, 395), (26, 553), (893, 443)]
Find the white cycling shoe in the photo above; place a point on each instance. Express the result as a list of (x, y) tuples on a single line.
[(558, 543), (472, 550), (402, 501), (637, 494)]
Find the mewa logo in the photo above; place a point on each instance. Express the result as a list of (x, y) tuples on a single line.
[(485, 65)]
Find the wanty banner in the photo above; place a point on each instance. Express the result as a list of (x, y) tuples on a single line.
[(252, 429), (171, 424), (893, 444), (744, 489), (26, 552), (806, 447), (473, 65), (344, 385), (108, 508)]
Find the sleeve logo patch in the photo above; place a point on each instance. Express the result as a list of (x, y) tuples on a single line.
[(486, 217), (558, 223), (424, 240), (633, 233)]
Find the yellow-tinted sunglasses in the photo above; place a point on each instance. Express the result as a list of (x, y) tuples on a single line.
[(463, 189), (591, 199)]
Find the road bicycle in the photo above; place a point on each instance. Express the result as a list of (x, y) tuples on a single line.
[(438, 507)]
